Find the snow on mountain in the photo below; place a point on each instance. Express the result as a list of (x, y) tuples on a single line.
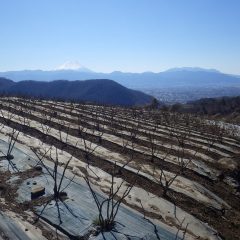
[(73, 66)]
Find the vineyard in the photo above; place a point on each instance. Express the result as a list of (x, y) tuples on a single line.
[(82, 171)]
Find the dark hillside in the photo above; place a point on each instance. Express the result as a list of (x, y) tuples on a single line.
[(223, 105), (5, 83), (99, 91), (224, 108)]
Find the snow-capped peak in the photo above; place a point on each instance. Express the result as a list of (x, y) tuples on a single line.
[(72, 65)]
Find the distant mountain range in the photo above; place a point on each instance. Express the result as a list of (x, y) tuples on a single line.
[(177, 77), (174, 85), (98, 91)]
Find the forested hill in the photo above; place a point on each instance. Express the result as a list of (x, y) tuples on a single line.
[(223, 105), (224, 108), (99, 91)]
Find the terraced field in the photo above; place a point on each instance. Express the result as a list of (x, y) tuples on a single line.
[(182, 171)]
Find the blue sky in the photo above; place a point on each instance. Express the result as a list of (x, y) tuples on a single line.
[(126, 35)]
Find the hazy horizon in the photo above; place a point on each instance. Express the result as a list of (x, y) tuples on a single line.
[(188, 68)]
